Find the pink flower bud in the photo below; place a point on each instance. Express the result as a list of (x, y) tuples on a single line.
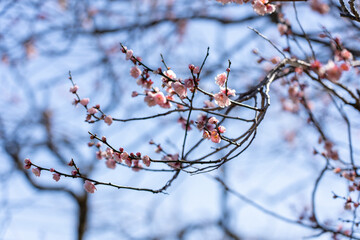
[(108, 120), (52, 170), (92, 110), (36, 171), (84, 101), (74, 172), (146, 160), (89, 186), (56, 177), (134, 94), (213, 120), (74, 89), (129, 54)]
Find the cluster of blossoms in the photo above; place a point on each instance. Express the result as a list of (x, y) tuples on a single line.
[(210, 127), (222, 98), (113, 157), (332, 70), (261, 7), (92, 110), (88, 185)]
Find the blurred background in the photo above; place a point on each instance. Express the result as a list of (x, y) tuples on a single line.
[(40, 41)]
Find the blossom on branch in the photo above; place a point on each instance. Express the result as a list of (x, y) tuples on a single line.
[(135, 72), (89, 186), (36, 171), (263, 7), (220, 79), (222, 98)]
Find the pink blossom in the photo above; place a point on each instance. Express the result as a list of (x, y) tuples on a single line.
[(27, 163), (220, 79), (196, 70), (109, 153), (117, 157), (215, 137), (222, 98), (108, 120), (129, 54), (150, 99), (74, 172), (124, 156), (74, 89), (52, 170), (135, 72), (128, 161), (159, 98), (36, 171), (172, 157), (262, 7), (92, 110), (166, 104), (180, 89), (221, 129), (228, 91), (56, 177), (110, 163), (170, 74), (319, 7), (84, 101), (213, 120), (346, 55), (282, 28), (332, 71), (89, 186), (99, 155), (146, 160), (134, 94), (189, 83), (209, 104), (206, 134)]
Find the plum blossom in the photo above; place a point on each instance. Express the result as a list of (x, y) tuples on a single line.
[(150, 99), (110, 163), (108, 120), (221, 129), (332, 71), (172, 157), (213, 120), (222, 98), (346, 55), (262, 7), (319, 7), (56, 177), (170, 74), (74, 89), (220, 79), (129, 54), (92, 110), (282, 28), (146, 160), (36, 171), (135, 72), (215, 137), (206, 135), (180, 89), (84, 101), (159, 98), (89, 186), (27, 163), (196, 70)]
